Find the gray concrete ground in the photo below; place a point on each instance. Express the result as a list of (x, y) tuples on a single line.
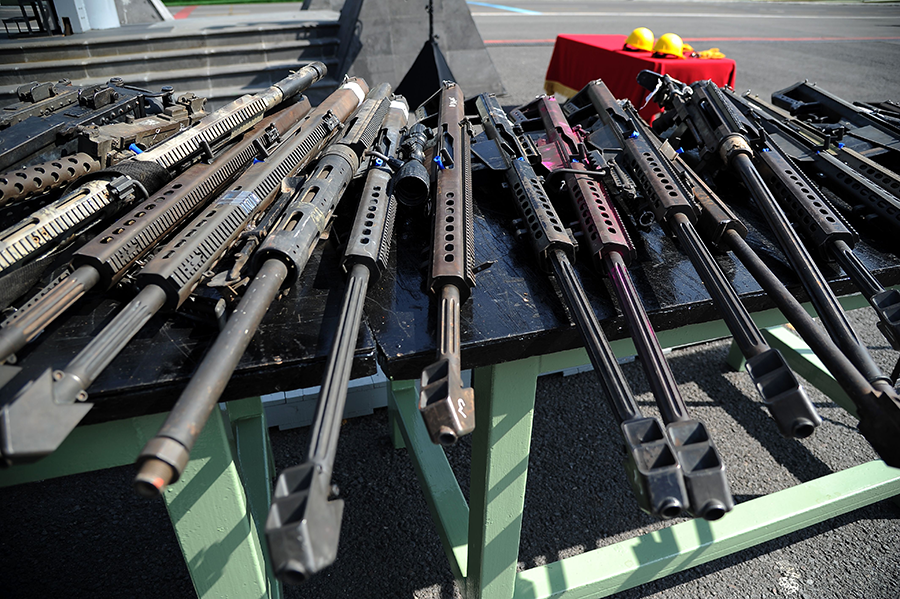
[(89, 536)]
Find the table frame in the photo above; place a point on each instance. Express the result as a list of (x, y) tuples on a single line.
[(481, 538)]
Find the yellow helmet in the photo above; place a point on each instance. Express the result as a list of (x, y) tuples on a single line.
[(669, 43), (639, 39)]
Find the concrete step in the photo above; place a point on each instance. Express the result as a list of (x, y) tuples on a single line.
[(239, 57), (171, 35)]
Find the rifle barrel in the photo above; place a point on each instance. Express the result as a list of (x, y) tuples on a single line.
[(281, 258), (447, 407)]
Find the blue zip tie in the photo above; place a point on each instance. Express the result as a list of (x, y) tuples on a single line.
[(440, 162)]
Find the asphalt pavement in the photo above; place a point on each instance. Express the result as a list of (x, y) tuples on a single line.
[(90, 536)]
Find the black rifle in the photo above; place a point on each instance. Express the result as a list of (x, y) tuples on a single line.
[(723, 231), (871, 190), (30, 137), (447, 407), (103, 261), (651, 467), (304, 524), (39, 99), (671, 199), (867, 131), (702, 111), (58, 398), (821, 226), (101, 146), (824, 229), (278, 262), (565, 155), (111, 189)]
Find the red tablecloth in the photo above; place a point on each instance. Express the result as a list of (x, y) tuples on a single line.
[(579, 59)]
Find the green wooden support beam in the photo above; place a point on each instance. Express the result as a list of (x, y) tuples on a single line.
[(504, 409), (213, 524), (442, 493), (611, 569), (257, 468)]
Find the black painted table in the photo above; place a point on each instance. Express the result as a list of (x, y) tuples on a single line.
[(516, 311), (288, 351), (515, 327)]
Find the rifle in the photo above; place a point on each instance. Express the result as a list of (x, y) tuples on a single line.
[(28, 138), (103, 261), (447, 407), (722, 230), (303, 525), (722, 140), (110, 189), (818, 222), (564, 154), (872, 132), (39, 99), (871, 190), (278, 262), (654, 473), (59, 398), (671, 198), (101, 146)]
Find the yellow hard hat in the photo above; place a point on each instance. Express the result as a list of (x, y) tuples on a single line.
[(640, 39), (669, 43)]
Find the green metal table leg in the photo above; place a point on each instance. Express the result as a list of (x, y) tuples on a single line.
[(442, 493), (394, 420), (257, 467), (504, 407), (627, 564), (209, 510)]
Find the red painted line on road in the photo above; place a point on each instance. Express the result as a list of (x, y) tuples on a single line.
[(537, 42), (184, 12), (786, 39), (519, 42)]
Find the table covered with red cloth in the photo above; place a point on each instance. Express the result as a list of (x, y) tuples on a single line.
[(579, 59)]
